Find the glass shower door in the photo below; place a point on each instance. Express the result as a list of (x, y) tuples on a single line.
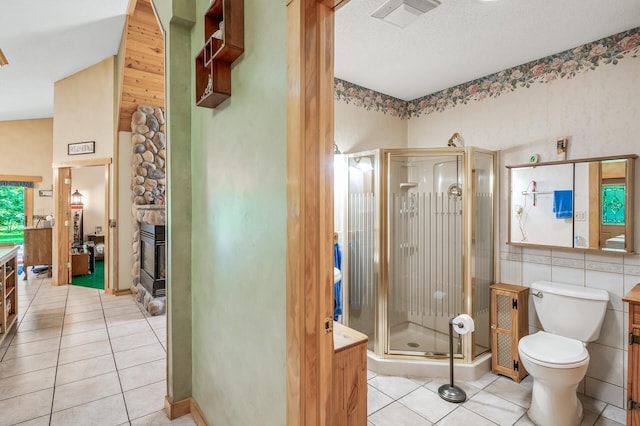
[(362, 290), (424, 229)]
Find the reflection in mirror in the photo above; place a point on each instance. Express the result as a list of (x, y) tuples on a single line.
[(581, 204)]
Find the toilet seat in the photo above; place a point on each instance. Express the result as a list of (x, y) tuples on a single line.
[(551, 350)]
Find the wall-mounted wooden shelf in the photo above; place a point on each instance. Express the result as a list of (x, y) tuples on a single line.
[(223, 44)]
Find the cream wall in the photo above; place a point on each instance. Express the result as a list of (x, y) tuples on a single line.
[(600, 112), (84, 110), (357, 129), (89, 181), (26, 148)]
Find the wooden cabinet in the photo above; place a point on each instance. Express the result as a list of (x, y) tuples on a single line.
[(80, 264), (509, 323), (9, 289), (37, 248), (223, 44), (349, 376), (633, 370)]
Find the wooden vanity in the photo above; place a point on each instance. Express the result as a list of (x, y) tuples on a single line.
[(349, 376), (633, 370)]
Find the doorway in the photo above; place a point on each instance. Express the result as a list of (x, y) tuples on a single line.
[(81, 234)]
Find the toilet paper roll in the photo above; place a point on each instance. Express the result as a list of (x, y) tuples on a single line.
[(463, 324)]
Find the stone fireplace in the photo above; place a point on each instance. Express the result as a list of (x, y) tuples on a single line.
[(148, 211)]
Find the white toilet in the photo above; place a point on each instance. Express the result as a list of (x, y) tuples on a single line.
[(557, 358)]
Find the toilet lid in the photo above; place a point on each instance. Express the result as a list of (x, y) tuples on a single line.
[(553, 349)]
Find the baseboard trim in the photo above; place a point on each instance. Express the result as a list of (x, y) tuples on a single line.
[(184, 407), (118, 292)]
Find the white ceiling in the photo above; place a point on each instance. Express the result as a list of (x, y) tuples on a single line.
[(48, 40), (462, 40)]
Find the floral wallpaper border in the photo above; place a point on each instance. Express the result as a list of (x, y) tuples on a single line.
[(564, 65)]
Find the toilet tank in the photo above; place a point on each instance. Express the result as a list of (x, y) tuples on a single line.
[(569, 310)]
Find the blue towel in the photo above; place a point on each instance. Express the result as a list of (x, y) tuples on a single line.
[(563, 204), (337, 287)]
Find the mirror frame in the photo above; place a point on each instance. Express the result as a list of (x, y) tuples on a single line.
[(629, 213)]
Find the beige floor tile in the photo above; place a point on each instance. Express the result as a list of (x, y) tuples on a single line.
[(40, 421), (124, 319), (83, 338), (376, 400), (84, 316), (81, 327), (85, 307), (129, 328), (120, 310), (40, 324), (428, 404), (159, 418), (86, 390), (159, 321), (143, 374), (35, 335), (39, 316), (26, 383), (106, 411), (32, 348), (511, 391), (395, 387), (145, 400), (132, 341), (47, 300), (27, 364), (84, 369), (137, 356), (26, 407), (396, 414), (79, 353), (494, 408), (463, 417)]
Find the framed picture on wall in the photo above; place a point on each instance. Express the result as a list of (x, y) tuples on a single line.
[(81, 148)]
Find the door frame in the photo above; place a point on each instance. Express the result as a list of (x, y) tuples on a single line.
[(310, 88), (62, 227)]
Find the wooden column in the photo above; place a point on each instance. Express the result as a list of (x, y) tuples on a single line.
[(62, 227), (309, 211)]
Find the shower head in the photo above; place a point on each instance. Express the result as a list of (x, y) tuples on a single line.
[(455, 138)]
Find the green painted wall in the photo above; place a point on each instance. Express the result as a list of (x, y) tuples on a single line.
[(238, 157), (235, 181)]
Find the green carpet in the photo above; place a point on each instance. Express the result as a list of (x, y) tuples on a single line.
[(95, 280)]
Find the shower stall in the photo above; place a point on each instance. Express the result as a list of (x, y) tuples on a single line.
[(419, 236)]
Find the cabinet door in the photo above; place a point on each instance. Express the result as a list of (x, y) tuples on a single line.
[(502, 326), (633, 391)]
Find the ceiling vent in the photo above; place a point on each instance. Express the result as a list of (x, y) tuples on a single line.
[(403, 12)]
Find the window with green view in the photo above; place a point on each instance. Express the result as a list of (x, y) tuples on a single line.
[(613, 208)]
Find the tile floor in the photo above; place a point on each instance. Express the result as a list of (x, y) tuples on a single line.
[(492, 400), (80, 357)]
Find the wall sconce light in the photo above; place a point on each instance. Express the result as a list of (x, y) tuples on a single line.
[(76, 199), (3, 59)]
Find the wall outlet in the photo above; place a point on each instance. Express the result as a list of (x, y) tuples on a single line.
[(581, 216)]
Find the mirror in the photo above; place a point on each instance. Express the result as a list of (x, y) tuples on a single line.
[(580, 204)]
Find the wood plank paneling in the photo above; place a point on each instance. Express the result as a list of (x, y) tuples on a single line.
[(62, 227), (143, 63)]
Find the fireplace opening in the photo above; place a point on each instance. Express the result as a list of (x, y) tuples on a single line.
[(152, 258)]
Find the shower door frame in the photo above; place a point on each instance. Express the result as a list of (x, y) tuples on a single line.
[(381, 338)]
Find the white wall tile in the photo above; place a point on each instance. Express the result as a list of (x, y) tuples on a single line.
[(510, 272), (606, 364), (562, 274), (612, 329), (631, 259), (613, 283), (604, 392), (601, 257), (532, 272)]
